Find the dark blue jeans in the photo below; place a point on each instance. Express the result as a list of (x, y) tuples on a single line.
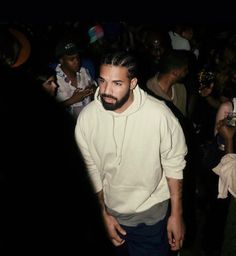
[(145, 240)]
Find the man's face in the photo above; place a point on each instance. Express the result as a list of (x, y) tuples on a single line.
[(115, 88), (50, 85), (156, 49), (181, 73), (70, 62)]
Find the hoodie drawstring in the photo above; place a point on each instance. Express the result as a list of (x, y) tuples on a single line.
[(119, 152)]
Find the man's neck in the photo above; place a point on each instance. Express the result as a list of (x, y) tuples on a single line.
[(165, 84)]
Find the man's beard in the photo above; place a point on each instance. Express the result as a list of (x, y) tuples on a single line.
[(118, 104)]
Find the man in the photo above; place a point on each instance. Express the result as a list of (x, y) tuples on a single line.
[(166, 83), (165, 86), (156, 43), (134, 149), (75, 83)]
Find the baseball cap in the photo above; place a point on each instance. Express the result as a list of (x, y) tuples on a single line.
[(66, 48), (95, 33)]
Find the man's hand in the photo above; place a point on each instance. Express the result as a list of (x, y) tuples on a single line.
[(111, 224), (79, 94), (114, 228), (175, 224), (176, 232)]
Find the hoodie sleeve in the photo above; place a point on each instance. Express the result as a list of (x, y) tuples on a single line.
[(173, 149), (82, 141)]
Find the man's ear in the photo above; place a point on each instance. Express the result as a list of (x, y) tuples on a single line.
[(133, 83)]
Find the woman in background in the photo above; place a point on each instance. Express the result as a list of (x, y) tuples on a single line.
[(46, 77)]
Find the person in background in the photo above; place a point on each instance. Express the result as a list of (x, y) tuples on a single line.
[(46, 77), (180, 36), (76, 86), (227, 185), (164, 86), (136, 169), (217, 205), (167, 82), (155, 44), (228, 105), (223, 173)]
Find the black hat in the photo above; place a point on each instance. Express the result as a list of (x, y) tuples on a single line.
[(66, 48)]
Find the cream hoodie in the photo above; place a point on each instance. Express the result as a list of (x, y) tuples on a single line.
[(129, 154)]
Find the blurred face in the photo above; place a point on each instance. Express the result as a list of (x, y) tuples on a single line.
[(228, 55), (70, 62), (181, 73), (115, 88), (50, 86), (156, 49), (188, 34)]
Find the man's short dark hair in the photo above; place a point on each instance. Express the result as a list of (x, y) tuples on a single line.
[(173, 59)]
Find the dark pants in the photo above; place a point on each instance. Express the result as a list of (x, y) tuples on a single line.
[(144, 240)]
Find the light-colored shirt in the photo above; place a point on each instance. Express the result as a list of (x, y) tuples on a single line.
[(66, 90), (130, 154)]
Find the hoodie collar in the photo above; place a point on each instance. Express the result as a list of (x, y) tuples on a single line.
[(139, 99)]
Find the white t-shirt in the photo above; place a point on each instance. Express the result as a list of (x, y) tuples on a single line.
[(178, 42)]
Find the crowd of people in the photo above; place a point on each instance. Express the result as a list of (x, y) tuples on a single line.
[(113, 132)]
